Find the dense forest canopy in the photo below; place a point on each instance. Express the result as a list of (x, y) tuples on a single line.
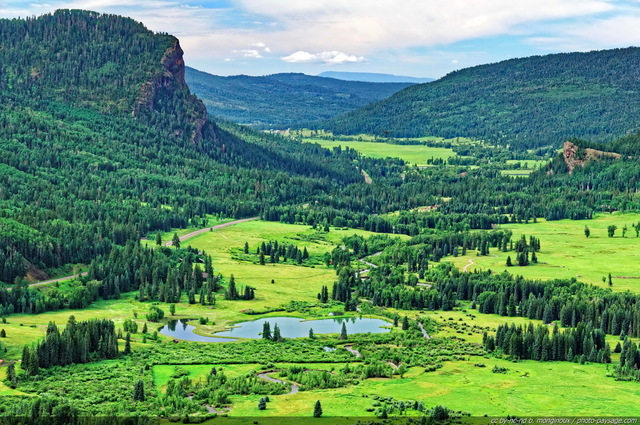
[(283, 100), (525, 103)]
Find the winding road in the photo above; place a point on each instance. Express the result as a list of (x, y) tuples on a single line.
[(182, 238), (60, 279)]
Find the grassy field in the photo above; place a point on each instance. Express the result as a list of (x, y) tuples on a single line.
[(526, 167), (566, 252), (292, 282), (527, 388), (413, 154), (211, 221)]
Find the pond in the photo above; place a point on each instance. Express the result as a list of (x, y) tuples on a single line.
[(182, 330), (293, 327)]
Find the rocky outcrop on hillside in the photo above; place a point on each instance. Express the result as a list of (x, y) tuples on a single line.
[(575, 156), (172, 79)]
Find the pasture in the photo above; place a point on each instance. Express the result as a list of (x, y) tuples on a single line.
[(566, 252), (412, 154), (526, 388)]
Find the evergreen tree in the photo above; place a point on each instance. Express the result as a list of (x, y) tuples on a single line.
[(172, 309), (127, 344), (138, 391), (611, 230), (246, 247), (175, 241), (232, 292), (311, 334), (405, 323), (343, 332), (587, 231), (266, 331), (159, 239), (509, 263), (276, 333), (144, 328), (12, 378), (317, 409)]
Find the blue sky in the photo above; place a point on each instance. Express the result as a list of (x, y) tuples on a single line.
[(423, 38)]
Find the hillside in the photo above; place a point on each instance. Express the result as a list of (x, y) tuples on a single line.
[(526, 103), (283, 100), (102, 142), (373, 77)]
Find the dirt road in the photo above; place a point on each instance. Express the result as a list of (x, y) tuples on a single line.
[(208, 229)]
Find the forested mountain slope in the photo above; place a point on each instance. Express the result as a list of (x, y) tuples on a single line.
[(283, 100), (101, 142), (526, 103)]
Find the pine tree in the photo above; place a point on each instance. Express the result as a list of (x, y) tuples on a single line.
[(587, 231), (127, 344), (276, 333), (138, 391), (509, 263), (12, 378), (343, 332), (246, 247), (176, 240), (172, 309), (311, 334), (405, 323), (317, 409), (158, 239), (232, 292), (144, 328), (266, 331)]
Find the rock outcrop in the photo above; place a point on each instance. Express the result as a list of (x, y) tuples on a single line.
[(575, 156), (172, 78)]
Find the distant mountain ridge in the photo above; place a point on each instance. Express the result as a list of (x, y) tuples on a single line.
[(283, 100), (374, 77), (525, 103)]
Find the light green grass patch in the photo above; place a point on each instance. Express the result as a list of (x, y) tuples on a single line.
[(291, 282), (162, 374), (413, 154), (566, 252)]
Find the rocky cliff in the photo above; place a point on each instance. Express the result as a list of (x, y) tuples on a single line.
[(575, 156)]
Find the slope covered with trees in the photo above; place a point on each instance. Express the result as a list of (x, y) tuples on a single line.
[(283, 100), (526, 103), (101, 142)]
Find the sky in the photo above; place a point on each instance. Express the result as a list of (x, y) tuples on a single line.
[(421, 38)]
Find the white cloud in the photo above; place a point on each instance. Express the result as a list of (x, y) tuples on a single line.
[(407, 32), (363, 26), (615, 31), (250, 53), (332, 57)]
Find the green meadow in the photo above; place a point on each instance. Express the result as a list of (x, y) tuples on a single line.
[(527, 388), (412, 154), (291, 282), (525, 167), (565, 252)]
